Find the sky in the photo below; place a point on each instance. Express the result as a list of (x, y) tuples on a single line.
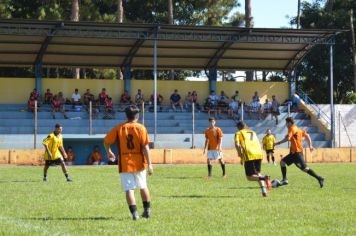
[(272, 13)]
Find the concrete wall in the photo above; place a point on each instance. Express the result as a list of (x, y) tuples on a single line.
[(17, 90), (189, 156)]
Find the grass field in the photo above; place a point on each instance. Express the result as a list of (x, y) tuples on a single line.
[(183, 203)]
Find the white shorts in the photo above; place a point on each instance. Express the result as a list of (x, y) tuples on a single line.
[(214, 155), (133, 180)]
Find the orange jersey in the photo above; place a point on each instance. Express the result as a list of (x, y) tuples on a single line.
[(96, 156), (130, 138), (213, 136), (70, 156), (296, 138)]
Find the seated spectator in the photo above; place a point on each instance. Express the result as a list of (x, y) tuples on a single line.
[(48, 97), (296, 101), (254, 107), (95, 157), (188, 101), (266, 109), (176, 100), (214, 98), (236, 97), (159, 102), (125, 98), (223, 102), (209, 107), (31, 104), (76, 98), (195, 100), (88, 97), (109, 109), (275, 108), (70, 156), (255, 97), (58, 106), (36, 96), (232, 112), (102, 97), (139, 98)]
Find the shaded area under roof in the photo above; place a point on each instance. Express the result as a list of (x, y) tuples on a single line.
[(85, 44)]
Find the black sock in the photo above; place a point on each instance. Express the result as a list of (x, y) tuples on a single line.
[(261, 177), (223, 168), (210, 168), (273, 158), (132, 208), (268, 158), (66, 175), (146, 205), (45, 175), (284, 172), (312, 173)]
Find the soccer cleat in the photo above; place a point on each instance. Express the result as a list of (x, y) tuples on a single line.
[(135, 216), (284, 182), (146, 213), (45, 179), (321, 182), (69, 179), (224, 176), (264, 194), (268, 182)]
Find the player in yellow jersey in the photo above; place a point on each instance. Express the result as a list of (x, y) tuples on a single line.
[(213, 142), (55, 152), (268, 145), (249, 150)]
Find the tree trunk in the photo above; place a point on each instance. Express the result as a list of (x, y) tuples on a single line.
[(298, 15), (353, 46), (248, 24), (120, 12), (170, 21), (329, 6), (75, 17)]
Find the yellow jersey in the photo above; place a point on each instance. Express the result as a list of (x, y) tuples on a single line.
[(268, 142), (53, 142), (251, 148)]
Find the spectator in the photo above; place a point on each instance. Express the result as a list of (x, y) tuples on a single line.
[(223, 102), (36, 96), (209, 107), (275, 108), (296, 101), (254, 107), (31, 104), (58, 106), (95, 157), (255, 97), (159, 101), (188, 101), (176, 100), (109, 109), (214, 98), (125, 98), (266, 109), (70, 156), (88, 97), (236, 97), (48, 97), (102, 97), (232, 112), (195, 100), (139, 98), (76, 98)]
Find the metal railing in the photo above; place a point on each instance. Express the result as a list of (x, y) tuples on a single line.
[(341, 121)]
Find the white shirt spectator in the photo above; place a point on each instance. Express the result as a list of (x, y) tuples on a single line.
[(76, 97), (234, 105), (255, 106), (267, 106)]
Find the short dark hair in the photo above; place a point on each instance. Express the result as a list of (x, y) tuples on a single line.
[(290, 120), (57, 126), (131, 112), (241, 125), (211, 118)]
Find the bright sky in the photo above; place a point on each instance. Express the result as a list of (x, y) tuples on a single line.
[(272, 13)]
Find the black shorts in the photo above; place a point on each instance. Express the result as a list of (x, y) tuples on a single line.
[(295, 158), (54, 162), (252, 167), (269, 151)]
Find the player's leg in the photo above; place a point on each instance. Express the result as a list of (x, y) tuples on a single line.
[(173, 106), (65, 170), (45, 171), (267, 155), (210, 166), (303, 166), (273, 159), (141, 182), (287, 160), (252, 169), (131, 202), (128, 184), (222, 163)]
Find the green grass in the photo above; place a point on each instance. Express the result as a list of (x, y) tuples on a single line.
[(183, 203)]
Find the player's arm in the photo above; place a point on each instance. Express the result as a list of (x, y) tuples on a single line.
[(239, 151), (307, 137), (286, 138), (64, 154), (206, 145), (146, 153), (109, 153)]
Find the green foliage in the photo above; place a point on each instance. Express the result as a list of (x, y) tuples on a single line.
[(314, 70), (183, 203)]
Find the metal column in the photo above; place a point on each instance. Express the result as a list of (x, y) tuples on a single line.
[(332, 112), (155, 84)]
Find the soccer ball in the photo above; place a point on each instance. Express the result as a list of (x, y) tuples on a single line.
[(276, 183)]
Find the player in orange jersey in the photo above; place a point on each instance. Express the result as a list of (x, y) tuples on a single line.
[(133, 156), (213, 142), (295, 136)]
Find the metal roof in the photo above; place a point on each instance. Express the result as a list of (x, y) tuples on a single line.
[(87, 44)]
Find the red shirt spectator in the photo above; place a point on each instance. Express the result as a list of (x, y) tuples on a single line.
[(35, 94), (125, 98), (103, 96), (31, 104), (48, 97)]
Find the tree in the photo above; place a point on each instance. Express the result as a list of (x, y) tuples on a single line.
[(75, 17), (120, 12), (248, 24)]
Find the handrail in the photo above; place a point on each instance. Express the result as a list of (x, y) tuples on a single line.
[(320, 113), (347, 133)]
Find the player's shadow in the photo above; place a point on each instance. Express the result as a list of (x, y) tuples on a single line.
[(183, 177), (244, 187), (98, 218), (192, 196), (19, 181)]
